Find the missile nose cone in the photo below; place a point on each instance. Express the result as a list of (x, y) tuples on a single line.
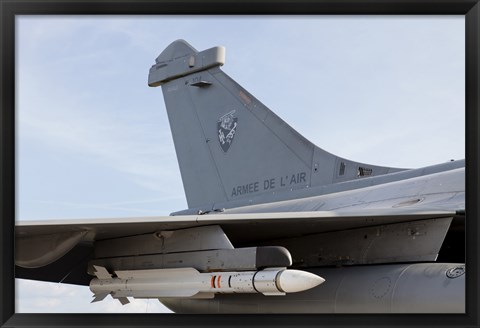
[(292, 281)]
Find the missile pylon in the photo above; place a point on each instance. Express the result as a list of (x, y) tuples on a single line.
[(189, 282)]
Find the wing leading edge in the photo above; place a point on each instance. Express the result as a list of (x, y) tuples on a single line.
[(267, 225), (76, 249)]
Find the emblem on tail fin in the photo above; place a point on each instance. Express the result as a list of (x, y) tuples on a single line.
[(227, 127)]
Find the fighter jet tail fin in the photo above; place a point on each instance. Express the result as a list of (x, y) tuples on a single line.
[(229, 145)]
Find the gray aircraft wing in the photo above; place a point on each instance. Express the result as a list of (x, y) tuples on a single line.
[(260, 226), (53, 250)]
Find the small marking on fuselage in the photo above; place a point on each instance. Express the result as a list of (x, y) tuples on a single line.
[(456, 272), (288, 180)]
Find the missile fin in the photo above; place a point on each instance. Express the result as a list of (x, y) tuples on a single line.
[(123, 300), (101, 272), (99, 297)]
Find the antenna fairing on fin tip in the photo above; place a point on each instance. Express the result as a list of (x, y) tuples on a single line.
[(180, 59)]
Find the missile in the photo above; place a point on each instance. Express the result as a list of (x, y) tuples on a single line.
[(189, 282)]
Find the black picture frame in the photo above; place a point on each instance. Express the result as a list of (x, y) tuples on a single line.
[(11, 8)]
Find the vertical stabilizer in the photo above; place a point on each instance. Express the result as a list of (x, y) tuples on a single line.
[(229, 145)]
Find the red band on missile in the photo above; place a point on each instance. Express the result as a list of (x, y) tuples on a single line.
[(212, 281), (218, 281)]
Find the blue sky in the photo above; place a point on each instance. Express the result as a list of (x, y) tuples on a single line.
[(93, 139)]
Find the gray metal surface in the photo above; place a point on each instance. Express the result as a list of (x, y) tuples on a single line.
[(38, 250), (415, 241), (299, 195), (183, 240), (238, 259)]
